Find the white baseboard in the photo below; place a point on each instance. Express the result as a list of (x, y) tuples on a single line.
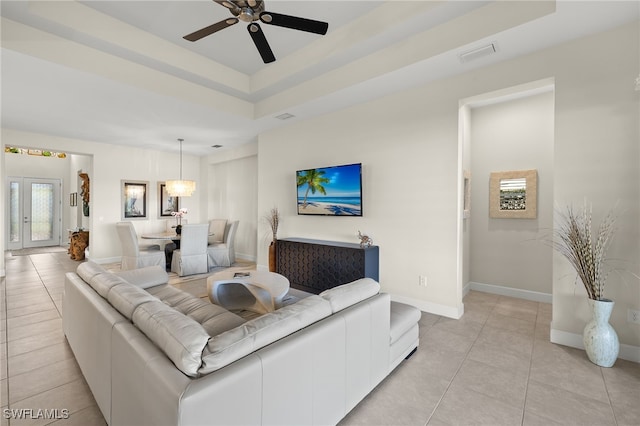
[(574, 340), (432, 308), (509, 291), (247, 257)]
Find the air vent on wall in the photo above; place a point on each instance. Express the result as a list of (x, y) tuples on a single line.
[(477, 53)]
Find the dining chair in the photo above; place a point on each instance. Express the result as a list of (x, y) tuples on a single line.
[(224, 253), (133, 255), (216, 230), (191, 257)]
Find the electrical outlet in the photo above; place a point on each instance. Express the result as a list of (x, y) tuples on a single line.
[(422, 281), (633, 315)]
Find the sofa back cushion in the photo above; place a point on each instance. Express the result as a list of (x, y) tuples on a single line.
[(127, 297), (178, 336), (215, 319), (349, 294), (146, 277), (87, 270), (234, 344)]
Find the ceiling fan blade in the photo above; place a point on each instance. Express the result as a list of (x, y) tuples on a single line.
[(293, 22), (261, 43), (211, 29)]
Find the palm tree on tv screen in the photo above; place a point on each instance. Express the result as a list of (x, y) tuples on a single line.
[(313, 179)]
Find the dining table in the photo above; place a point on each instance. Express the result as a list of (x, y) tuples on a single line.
[(169, 247)]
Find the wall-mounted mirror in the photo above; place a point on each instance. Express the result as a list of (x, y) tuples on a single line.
[(513, 194)]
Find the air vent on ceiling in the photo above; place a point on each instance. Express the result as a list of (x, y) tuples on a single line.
[(477, 53), (284, 116)]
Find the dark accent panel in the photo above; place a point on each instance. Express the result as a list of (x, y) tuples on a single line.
[(315, 265)]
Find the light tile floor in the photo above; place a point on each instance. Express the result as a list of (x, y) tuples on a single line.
[(495, 366)]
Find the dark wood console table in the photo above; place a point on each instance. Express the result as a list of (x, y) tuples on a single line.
[(316, 265)]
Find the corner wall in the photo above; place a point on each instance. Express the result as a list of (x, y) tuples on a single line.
[(597, 153)]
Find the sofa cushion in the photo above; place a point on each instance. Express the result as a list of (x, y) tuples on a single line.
[(126, 297), (146, 277), (88, 270), (181, 338), (234, 344), (103, 283), (215, 319), (346, 295)]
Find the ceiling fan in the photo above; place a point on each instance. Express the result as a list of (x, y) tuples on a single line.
[(251, 11)]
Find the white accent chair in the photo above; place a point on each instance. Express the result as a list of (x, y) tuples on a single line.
[(216, 230), (133, 255), (191, 257), (224, 254)]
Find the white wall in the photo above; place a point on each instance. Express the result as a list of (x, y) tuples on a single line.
[(512, 135), (233, 195), (79, 164), (597, 158), (111, 164), (408, 144)]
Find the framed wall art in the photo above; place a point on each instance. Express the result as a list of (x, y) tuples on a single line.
[(513, 194), (134, 199), (167, 204)]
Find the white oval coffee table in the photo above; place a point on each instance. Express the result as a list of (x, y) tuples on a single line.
[(266, 288)]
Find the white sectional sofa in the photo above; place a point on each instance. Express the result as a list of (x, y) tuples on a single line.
[(154, 355)]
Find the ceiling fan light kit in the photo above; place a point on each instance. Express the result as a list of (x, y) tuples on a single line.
[(251, 11)]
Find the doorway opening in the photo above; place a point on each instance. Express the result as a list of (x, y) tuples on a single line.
[(34, 212)]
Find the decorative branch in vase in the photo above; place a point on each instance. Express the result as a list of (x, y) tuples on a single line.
[(587, 254), (273, 220)]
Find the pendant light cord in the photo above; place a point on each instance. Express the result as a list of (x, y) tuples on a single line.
[(180, 158)]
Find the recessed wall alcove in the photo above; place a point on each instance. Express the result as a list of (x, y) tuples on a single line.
[(512, 129)]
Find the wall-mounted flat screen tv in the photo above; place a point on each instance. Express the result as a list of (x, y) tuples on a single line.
[(330, 191)]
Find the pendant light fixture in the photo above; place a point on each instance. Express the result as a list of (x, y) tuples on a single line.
[(180, 188)]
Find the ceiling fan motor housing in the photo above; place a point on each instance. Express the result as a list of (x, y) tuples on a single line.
[(253, 10)]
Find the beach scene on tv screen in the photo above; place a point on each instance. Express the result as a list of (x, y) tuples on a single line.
[(330, 191)]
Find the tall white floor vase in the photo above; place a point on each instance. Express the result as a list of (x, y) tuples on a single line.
[(600, 339)]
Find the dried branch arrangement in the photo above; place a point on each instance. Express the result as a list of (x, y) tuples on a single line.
[(574, 240), (273, 219)]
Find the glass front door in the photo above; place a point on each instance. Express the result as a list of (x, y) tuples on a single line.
[(33, 212)]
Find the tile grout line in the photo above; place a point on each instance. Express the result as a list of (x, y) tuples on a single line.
[(533, 348), (435, 408), (47, 288), (606, 388)]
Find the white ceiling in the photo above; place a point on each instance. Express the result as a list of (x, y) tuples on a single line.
[(120, 71)]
